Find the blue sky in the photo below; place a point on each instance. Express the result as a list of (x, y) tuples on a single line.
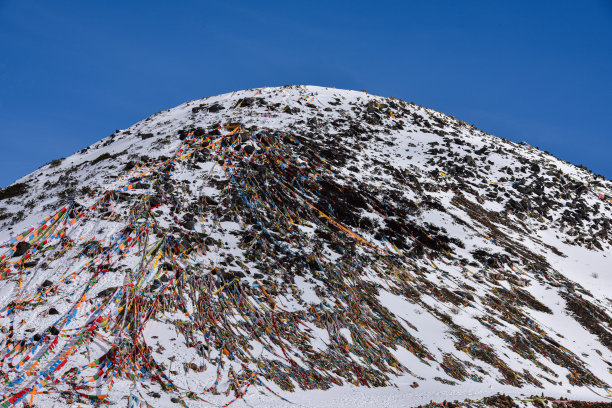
[(73, 72)]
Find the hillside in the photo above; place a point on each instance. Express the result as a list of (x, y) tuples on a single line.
[(304, 246)]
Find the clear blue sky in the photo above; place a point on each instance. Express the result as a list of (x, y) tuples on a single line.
[(73, 72)]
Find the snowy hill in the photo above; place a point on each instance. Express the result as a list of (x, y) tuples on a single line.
[(304, 246)]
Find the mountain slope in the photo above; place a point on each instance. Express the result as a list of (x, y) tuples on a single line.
[(252, 244)]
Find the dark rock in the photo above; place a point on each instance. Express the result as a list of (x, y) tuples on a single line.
[(106, 292), (13, 191), (129, 166), (215, 108), (103, 156), (22, 248), (249, 149)]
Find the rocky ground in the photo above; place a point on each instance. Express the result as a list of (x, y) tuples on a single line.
[(279, 241)]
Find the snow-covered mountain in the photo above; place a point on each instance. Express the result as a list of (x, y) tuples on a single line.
[(304, 246)]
